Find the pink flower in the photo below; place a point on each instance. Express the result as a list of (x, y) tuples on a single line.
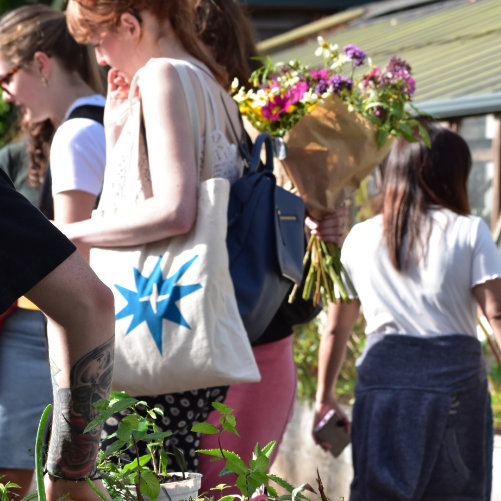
[(321, 74), (275, 106), (373, 76), (297, 92)]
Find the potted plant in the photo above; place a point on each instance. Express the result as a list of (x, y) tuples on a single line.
[(146, 477)]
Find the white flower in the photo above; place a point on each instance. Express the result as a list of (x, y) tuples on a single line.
[(325, 49)]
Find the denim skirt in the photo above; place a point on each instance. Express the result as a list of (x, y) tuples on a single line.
[(25, 387)]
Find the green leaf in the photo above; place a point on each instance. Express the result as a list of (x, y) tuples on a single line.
[(211, 452), (281, 482), (258, 477), (229, 497), (122, 404), (228, 423), (296, 493), (207, 428), (114, 447), (222, 408), (95, 489), (382, 137), (272, 493), (143, 460), (407, 129), (150, 486), (235, 463), (241, 485), (39, 453), (157, 435), (260, 463), (179, 458), (101, 405), (97, 421)]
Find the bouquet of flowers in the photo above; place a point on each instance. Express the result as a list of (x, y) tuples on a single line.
[(332, 126)]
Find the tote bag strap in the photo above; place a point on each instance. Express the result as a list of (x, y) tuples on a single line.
[(206, 169)]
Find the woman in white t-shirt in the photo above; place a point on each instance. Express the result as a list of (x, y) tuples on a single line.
[(422, 416), (51, 78)]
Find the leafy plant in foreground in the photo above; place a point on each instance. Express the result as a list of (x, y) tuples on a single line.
[(253, 481)]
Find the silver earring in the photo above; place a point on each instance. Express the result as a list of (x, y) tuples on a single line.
[(45, 82)]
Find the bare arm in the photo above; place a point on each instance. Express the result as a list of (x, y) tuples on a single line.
[(81, 341), (340, 320), (488, 297), (173, 168), (71, 206)]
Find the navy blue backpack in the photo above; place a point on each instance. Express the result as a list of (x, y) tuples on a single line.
[(265, 238)]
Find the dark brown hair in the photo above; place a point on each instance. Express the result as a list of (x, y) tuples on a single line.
[(417, 177), (32, 28), (224, 27), (87, 18)]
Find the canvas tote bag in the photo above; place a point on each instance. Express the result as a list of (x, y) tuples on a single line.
[(177, 322)]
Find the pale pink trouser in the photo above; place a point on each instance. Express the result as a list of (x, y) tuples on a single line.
[(262, 411)]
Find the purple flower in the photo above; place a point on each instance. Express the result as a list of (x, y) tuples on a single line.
[(398, 72), (338, 83), (357, 55), (379, 111), (321, 87), (275, 106)]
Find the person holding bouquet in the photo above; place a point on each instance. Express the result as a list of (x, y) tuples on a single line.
[(422, 415), (262, 409)]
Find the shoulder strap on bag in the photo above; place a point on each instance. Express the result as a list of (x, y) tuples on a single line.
[(206, 171), (251, 153)]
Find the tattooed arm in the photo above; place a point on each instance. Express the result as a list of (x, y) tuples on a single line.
[(81, 339)]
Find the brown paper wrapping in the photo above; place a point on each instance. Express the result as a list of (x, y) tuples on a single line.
[(329, 152)]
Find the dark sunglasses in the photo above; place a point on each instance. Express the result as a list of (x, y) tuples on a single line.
[(5, 78)]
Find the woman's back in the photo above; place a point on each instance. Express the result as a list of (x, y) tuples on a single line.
[(433, 296)]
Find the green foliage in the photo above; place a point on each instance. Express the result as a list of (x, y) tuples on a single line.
[(306, 343), (251, 478), (144, 471), (495, 386)]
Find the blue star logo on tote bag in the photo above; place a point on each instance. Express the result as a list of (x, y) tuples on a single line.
[(155, 299)]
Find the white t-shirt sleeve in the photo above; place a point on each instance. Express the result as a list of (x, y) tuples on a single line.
[(78, 156), (486, 264)]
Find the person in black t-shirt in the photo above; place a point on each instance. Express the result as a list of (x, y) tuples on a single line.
[(37, 260)]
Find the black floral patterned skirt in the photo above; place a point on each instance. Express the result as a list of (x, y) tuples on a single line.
[(181, 412)]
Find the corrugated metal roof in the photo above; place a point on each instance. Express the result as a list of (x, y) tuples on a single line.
[(454, 49)]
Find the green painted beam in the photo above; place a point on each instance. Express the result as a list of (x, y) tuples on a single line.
[(454, 51), (308, 30)]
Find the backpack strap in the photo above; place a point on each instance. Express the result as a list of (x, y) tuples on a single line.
[(45, 200), (92, 111)]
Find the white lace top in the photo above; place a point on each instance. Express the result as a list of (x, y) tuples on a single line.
[(127, 176)]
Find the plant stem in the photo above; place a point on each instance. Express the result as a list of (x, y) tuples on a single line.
[(138, 483)]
